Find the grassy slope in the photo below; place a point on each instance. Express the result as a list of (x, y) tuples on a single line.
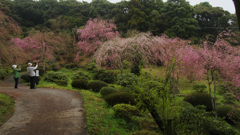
[(6, 107)]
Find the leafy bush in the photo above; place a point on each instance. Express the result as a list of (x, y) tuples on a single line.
[(74, 69), (126, 64), (195, 120), (107, 90), (222, 88), (54, 76), (80, 83), (145, 132), (125, 110), (183, 104), (96, 85), (222, 111), (120, 97), (233, 115), (108, 77), (25, 77), (97, 72), (228, 98), (200, 99), (61, 83), (55, 67), (200, 87), (3, 74), (80, 75), (71, 65), (126, 79), (91, 66), (135, 69)]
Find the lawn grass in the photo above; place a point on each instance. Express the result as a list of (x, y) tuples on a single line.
[(6, 107)]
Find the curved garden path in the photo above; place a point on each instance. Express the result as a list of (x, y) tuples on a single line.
[(43, 111)]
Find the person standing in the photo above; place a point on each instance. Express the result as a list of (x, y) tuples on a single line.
[(16, 75), (32, 74)]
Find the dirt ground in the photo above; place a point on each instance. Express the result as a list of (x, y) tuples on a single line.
[(44, 111)]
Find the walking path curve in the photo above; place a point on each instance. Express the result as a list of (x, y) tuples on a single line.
[(44, 111)]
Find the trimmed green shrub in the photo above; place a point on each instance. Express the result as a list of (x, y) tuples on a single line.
[(54, 76), (96, 85), (228, 98), (200, 99), (80, 84), (91, 66), (97, 72), (55, 67), (80, 75), (108, 77), (183, 104), (120, 97), (61, 83), (222, 111), (74, 69), (3, 74), (145, 132), (125, 110), (199, 87), (126, 79), (25, 77), (71, 65), (107, 90)]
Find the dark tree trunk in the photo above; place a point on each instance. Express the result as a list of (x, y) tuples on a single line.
[(237, 7)]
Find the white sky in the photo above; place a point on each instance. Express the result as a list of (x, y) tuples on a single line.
[(225, 4)]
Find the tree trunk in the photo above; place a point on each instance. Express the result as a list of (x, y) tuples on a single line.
[(215, 97), (237, 7)]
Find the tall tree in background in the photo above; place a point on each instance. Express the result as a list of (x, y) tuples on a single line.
[(9, 54), (237, 7), (94, 34)]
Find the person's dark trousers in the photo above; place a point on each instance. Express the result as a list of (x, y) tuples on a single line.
[(16, 82), (32, 83)]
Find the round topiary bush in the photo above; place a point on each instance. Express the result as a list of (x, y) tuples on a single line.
[(97, 72), (200, 99), (80, 75), (61, 83), (126, 79), (108, 77), (145, 132), (3, 74), (91, 66), (107, 90), (222, 111), (55, 67), (54, 76), (183, 104), (80, 84), (25, 77), (125, 110), (96, 85), (200, 87), (120, 97)]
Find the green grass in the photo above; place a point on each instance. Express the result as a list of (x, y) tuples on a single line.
[(6, 107)]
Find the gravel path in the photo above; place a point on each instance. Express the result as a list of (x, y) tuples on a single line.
[(44, 111)]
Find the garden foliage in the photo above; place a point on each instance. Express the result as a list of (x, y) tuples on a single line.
[(126, 79), (80, 83), (120, 97), (61, 82), (107, 90), (125, 110), (200, 99), (80, 75), (55, 76), (3, 74), (55, 67), (108, 77), (25, 77), (96, 85)]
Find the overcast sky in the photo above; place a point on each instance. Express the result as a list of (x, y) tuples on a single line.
[(225, 4)]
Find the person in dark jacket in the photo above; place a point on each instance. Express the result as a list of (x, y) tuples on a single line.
[(16, 75)]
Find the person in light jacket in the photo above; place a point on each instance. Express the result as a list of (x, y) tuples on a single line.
[(31, 74), (16, 75)]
